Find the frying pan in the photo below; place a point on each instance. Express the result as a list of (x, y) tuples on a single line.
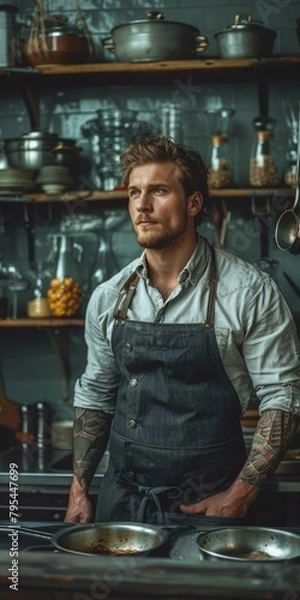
[(249, 544), (115, 538)]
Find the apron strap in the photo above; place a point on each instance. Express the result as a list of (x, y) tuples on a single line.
[(125, 297), (213, 282), (149, 494), (129, 287)]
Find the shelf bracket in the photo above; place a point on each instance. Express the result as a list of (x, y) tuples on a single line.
[(31, 96), (262, 212), (262, 86)]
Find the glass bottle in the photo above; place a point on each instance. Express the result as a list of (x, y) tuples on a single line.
[(263, 170), (220, 169), (220, 173), (65, 292)]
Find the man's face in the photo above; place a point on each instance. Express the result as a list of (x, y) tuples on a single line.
[(158, 206)]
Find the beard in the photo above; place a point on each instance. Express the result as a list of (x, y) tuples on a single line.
[(160, 240)]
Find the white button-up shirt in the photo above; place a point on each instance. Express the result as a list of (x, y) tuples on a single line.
[(255, 331)]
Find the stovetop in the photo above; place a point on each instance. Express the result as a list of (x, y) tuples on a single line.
[(34, 537), (178, 570)]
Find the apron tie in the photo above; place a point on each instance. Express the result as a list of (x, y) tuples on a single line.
[(150, 494)]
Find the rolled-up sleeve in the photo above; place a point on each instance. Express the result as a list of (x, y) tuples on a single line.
[(271, 349), (97, 387)]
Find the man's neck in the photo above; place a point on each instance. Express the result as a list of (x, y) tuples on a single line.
[(164, 266)]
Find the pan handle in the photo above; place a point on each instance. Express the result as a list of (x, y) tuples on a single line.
[(27, 530)]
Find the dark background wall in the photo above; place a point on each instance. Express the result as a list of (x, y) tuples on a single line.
[(30, 358)]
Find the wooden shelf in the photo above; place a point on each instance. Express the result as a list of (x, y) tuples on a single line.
[(97, 196), (152, 73), (42, 322), (201, 64)]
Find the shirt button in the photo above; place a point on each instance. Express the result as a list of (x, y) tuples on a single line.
[(131, 475), (128, 347), (132, 424), (133, 382)]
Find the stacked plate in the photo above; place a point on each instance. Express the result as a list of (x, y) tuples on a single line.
[(54, 179), (17, 181)]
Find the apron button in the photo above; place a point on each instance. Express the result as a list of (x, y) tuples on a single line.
[(131, 475), (133, 382), (128, 347), (132, 424)]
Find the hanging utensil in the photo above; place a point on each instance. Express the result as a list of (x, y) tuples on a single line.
[(287, 232)]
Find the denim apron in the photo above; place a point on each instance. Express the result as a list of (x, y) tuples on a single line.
[(176, 434)]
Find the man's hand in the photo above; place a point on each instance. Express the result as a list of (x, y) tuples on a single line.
[(91, 431), (79, 507), (234, 502)]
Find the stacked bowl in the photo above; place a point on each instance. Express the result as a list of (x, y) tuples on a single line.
[(54, 179)]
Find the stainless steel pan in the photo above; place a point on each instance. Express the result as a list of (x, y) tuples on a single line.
[(249, 544), (109, 538)]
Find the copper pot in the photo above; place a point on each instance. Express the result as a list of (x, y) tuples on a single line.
[(60, 45)]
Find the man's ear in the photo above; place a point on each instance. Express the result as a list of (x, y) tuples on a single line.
[(195, 204)]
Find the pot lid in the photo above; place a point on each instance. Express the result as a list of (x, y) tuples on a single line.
[(245, 21), (36, 135), (154, 17), (59, 30)]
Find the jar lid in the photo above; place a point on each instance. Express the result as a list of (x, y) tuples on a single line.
[(219, 139), (264, 136)]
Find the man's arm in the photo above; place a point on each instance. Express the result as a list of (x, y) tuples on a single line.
[(91, 432), (273, 435)]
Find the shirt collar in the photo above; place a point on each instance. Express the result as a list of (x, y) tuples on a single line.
[(193, 269)]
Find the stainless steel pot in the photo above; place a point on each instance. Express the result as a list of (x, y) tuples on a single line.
[(30, 151), (249, 544), (245, 39), (154, 39), (35, 149)]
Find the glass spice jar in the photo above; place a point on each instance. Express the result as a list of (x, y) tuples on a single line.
[(264, 172), (220, 173)]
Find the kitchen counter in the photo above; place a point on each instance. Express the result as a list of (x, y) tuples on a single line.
[(41, 467), (43, 488), (179, 573), (37, 467)]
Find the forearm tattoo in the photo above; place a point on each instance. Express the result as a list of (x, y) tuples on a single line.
[(91, 432), (274, 432)]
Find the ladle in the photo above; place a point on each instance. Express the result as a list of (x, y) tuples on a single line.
[(287, 232)]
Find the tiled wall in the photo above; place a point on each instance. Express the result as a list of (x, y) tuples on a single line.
[(33, 373)]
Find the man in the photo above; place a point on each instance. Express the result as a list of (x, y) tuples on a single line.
[(178, 341)]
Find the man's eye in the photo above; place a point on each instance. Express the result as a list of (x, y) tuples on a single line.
[(133, 193), (159, 190)]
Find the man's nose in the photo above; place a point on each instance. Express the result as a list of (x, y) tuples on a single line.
[(144, 202)]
